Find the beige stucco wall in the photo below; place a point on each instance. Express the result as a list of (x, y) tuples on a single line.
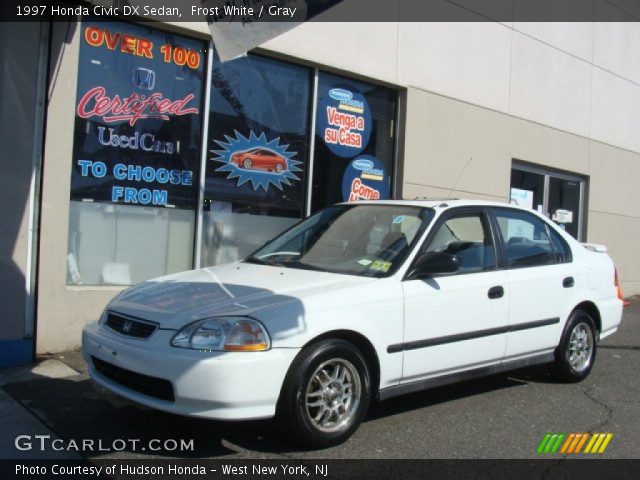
[(62, 311), (442, 134)]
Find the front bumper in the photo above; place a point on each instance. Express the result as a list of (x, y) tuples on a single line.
[(218, 385)]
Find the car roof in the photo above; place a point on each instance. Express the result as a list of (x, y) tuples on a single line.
[(439, 203)]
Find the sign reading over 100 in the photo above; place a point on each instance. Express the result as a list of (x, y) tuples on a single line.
[(142, 47)]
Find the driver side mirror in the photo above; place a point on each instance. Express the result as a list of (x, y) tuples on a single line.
[(433, 263)]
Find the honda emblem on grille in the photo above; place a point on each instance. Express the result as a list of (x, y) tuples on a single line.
[(143, 78), (127, 326)]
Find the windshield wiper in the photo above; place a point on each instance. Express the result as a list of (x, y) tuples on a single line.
[(260, 261), (287, 264), (306, 266)]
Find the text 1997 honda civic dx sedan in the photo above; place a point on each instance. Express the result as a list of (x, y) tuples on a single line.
[(361, 300)]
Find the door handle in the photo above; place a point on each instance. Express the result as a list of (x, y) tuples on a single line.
[(495, 292), (568, 282)]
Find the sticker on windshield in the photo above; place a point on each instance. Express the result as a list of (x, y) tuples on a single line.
[(398, 219), (365, 262), (380, 266)]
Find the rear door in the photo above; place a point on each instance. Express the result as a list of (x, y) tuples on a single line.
[(541, 279), (456, 321)]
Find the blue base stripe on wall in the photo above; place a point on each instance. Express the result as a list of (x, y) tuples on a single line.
[(14, 353)]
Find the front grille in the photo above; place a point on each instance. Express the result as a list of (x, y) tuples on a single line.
[(151, 386), (129, 326)]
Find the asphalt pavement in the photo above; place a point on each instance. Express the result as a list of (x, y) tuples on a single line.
[(503, 416)]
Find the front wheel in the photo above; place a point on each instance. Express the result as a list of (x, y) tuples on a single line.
[(577, 350), (326, 394)]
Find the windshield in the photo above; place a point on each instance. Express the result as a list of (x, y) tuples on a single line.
[(366, 240)]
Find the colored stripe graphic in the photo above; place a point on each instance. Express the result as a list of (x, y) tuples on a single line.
[(582, 441), (573, 443), (598, 443), (550, 443), (543, 443)]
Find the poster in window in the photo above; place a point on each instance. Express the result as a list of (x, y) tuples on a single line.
[(365, 179), (258, 136), (138, 118), (355, 141), (344, 120)]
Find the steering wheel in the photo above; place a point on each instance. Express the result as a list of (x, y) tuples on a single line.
[(383, 251)]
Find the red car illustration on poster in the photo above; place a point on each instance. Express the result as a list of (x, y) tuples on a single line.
[(259, 159)]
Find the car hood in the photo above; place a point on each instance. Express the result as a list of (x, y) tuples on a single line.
[(234, 289)]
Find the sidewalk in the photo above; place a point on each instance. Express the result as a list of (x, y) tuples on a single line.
[(17, 420)]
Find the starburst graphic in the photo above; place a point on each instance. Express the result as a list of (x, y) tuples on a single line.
[(257, 178)]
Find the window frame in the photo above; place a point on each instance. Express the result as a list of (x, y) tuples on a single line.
[(456, 212), (548, 229), (554, 233), (549, 173)]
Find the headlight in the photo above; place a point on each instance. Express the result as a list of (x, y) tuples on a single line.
[(236, 334)]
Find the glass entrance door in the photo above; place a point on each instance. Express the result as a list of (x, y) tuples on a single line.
[(527, 189), (558, 195), (564, 204)]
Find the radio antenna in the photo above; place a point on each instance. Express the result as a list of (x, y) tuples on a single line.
[(458, 178)]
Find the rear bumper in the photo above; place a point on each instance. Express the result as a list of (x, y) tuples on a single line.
[(217, 385), (610, 315)]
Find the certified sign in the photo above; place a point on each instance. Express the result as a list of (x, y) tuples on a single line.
[(138, 116)]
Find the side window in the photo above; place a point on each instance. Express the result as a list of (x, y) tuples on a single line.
[(526, 239), (469, 239), (560, 247)]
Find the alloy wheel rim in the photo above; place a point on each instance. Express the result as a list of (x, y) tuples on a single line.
[(580, 349), (332, 395)]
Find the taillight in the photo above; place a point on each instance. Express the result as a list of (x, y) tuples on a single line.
[(616, 282)]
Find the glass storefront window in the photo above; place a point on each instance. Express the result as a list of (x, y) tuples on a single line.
[(355, 141), (138, 145), (136, 154), (258, 147)]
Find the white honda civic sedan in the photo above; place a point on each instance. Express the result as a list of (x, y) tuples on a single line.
[(360, 301)]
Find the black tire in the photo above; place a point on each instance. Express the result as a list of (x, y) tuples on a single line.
[(247, 163), (294, 414), (565, 370)]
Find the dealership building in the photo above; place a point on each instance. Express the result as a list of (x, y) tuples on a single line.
[(130, 151)]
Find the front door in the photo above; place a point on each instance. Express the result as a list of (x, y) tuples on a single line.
[(457, 321)]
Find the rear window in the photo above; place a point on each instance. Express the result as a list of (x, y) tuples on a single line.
[(526, 239), (560, 247)]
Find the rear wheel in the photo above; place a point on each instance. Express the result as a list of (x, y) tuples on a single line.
[(577, 350), (279, 168), (326, 394), (247, 163)]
